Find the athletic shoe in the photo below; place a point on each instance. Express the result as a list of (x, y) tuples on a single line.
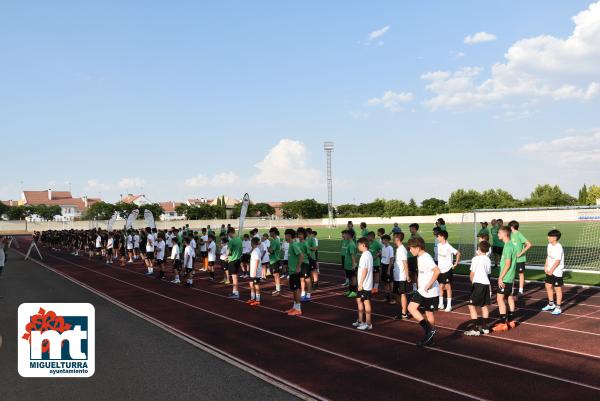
[(147, 274), (346, 293), (223, 281), (357, 323), (392, 302), (303, 298), (500, 327), (365, 326), (227, 282), (472, 332), (295, 312), (448, 309), (346, 283), (512, 324), (428, 339), (233, 296), (441, 306), (548, 307), (275, 293), (288, 311), (352, 294), (255, 303), (484, 331), (375, 291), (187, 285), (557, 311), (250, 301), (176, 282), (284, 276)]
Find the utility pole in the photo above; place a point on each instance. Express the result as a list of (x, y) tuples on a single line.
[(328, 146)]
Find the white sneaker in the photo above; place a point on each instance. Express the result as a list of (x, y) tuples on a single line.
[(365, 326), (472, 333), (275, 293), (441, 306), (548, 307), (448, 309), (346, 283), (176, 282), (357, 323)]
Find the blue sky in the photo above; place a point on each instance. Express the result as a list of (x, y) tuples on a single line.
[(187, 99)]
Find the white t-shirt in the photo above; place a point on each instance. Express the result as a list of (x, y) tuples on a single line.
[(188, 257), (555, 252), (169, 239), (387, 253), (2, 255), (435, 248), (316, 242), (136, 241), (365, 264), (426, 266), (481, 265), (175, 251), (204, 241), (224, 252), (285, 247), (445, 253), (246, 246), (401, 256), (98, 242), (255, 271), (160, 249), (193, 245), (265, 250), (110, 243), (212, 251), (129, 241), (150, 243)]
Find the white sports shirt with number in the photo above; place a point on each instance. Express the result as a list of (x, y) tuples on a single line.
[(365, 264), (555, 252), (426, 267)]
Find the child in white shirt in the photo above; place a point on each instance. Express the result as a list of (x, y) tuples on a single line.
[(481, 268), (554, 266), (365, 286), (256, 272)]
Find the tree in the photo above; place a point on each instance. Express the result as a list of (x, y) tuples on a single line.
[(182, 210), (3, 209), (45, 212), (462, 201), (497, 199), (395, 207), (433, 206), (593, 194), (155, 208), (125, 209), (99, 211), (346, 210), (307, 209), (583, 196), (548, 195), (17, 212), (263, 210), (201, 211)]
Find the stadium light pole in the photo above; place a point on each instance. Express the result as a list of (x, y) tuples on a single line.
[(328, 146)]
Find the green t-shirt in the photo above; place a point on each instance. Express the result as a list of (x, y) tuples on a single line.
[(311, 243), (234, 246), (374, 248), (519, 241), (274, 251), (343, 247), (305, 251), (494, 234), (509, 252), (484, 231), (294, 252), (350, 251), (364, 233)]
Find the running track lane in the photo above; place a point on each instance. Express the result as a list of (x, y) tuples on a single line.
[(308, 342)]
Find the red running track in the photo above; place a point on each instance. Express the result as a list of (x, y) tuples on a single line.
[(321, 355)]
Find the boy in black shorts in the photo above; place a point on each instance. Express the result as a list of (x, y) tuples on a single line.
[(295, 261), (481, 267), (428, 291), (554, 266)]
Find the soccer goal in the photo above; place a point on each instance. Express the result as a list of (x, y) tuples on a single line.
[(579, 225)]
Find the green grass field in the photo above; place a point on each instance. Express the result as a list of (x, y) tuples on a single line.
[(580, 240)]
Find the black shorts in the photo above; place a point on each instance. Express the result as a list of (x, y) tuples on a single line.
[(507, 290), (312, 263), (204, 254), (364, 295), (159, 262), (480, 295), (343, 260), (234, 266), (275, 267), (305, 270), (150, 255), (376, 269), (294, 282), (555, 281), (317, 254), (385, 277), (188, 270), (177, 264), (225, 265), (136, 248), (400, 287), (255, 280), (521, 267), (428, 304), (246, 257), (497, 250), (445, 278), (349, 274), (211, 263), (413, 265)]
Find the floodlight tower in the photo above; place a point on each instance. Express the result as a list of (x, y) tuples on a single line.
[(328, 146)]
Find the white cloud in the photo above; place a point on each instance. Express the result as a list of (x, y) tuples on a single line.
[(573, 152), (479, 37), (131, 182), (287, 164), (218, 180), (379, 33), (95, 184), (540, 67), (391, 100)]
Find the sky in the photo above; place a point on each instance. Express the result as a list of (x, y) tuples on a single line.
[(187, 99)]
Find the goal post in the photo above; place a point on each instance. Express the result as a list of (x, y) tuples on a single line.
[(579, 226)]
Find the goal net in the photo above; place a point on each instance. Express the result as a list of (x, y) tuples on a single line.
[(579, 226)]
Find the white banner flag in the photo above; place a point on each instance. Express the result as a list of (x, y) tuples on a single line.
[(243, 212), (131, 218), (149, 217), (111, 222)]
